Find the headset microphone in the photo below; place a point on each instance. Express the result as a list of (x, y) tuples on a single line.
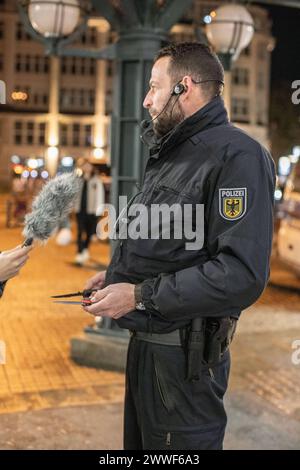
[(178, 89)]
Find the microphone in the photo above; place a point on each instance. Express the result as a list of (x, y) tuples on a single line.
[(53, 204), (145, 123)]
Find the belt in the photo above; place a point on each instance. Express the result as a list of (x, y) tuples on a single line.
[(169, 339)]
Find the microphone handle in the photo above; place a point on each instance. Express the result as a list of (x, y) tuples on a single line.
[(27, 242)]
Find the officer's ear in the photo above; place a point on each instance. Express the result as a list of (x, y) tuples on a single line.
[(187, 84)]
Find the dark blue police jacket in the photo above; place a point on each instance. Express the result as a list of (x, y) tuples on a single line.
[(204, 160)]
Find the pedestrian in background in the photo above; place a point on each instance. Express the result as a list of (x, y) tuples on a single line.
[(89, 206)]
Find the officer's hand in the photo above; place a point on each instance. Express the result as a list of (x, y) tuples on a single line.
[(12, 261), (113, 301), (96, 282)]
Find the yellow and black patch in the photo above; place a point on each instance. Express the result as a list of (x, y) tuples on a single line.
[(232, 203)]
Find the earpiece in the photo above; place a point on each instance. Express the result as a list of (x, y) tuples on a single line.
[(178, 89)]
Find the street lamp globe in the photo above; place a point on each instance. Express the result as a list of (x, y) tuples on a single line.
[(54, 18), (230, 29)]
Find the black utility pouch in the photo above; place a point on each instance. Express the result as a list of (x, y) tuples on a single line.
[(218, 336)]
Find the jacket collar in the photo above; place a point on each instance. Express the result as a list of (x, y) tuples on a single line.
[(212, 114)]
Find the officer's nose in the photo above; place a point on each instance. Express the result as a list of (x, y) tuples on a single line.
[(147, 101)]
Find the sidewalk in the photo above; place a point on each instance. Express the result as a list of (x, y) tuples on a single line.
[(38, 373), (263, 401)]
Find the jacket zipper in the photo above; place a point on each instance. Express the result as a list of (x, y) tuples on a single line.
[(168, 439)]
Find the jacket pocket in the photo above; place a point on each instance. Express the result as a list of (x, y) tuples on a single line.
[(206, 437), (162, 386)]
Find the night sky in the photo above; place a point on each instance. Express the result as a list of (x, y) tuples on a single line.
[(286, 30)]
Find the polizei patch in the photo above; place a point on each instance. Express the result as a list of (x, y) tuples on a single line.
[(232, 203)]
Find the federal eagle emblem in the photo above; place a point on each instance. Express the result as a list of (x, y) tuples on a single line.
[(232, 203)]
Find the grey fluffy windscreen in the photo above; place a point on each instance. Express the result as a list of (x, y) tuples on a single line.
[(51, 205)]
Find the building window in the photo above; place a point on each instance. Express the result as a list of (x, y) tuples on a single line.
[(77, 100), (76, 135), (240, 109), (1, 62), (27, 63), (31, 64), (92, 69), (73, 66), (46, 64), (42, 133), (240, 76), (91, 98), (88, 135), (63, 67), (18, 65), (19, 31), (18, 132), (78, 66), (81, 97), (108, 103), (30, 133), (82, 69), (21, 34), (1, 29), (63, 130), (45, 99), (37, 64)]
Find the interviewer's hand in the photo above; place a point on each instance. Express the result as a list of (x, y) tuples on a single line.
[(96, 282), (11, 261), (113, 301)]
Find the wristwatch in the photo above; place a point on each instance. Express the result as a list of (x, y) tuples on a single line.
[(143, 293), (139, 304)]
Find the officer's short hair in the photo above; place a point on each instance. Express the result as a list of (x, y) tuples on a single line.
[(195, 59)]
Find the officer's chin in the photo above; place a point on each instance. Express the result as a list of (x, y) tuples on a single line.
[(160, 131)]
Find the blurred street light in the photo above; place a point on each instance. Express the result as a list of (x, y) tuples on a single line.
[(54, 18), (229, 29)]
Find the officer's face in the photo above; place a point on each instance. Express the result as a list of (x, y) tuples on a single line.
[(161, 87)]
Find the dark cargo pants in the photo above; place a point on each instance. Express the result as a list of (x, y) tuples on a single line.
[(163, 411)]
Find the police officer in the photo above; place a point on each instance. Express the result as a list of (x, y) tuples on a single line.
[(181, 305)]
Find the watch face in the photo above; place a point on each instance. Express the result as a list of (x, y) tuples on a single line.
[(140, 306)]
